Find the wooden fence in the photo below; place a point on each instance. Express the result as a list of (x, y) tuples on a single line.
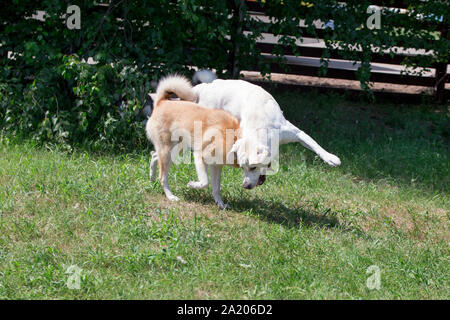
[(436, 79), (306, 51)]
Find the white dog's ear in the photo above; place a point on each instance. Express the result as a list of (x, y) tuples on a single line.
[(153, 96), (261, 156)]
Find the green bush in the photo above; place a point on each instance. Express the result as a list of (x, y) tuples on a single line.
[(50, 92), (74, 101)]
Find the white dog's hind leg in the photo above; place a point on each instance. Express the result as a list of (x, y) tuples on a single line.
[(215, 171), (202, 172), (290, 133), (153, 165)]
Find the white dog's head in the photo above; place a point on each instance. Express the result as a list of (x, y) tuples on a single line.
[(254, 158)]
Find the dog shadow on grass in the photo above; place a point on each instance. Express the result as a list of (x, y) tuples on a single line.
[(276, 212)]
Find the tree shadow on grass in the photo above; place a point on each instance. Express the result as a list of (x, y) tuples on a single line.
[(276, 212)]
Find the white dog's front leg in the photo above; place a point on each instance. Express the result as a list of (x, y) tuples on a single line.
[(215, 171), (290, 133), (153, 165), (202, 172)]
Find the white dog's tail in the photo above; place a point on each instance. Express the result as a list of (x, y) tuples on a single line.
[(174, 84)]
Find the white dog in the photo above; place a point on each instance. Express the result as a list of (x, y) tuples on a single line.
[(257, 112)]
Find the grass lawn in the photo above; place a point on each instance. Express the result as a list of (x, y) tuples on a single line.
[(310, 232)]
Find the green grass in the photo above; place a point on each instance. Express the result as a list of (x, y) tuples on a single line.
[(310, 232)]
